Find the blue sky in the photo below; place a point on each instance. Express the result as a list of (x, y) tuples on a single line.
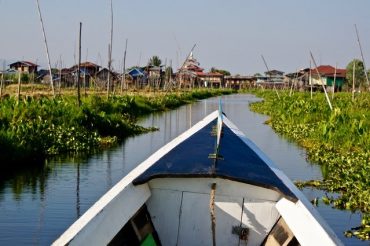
[(231, 35)]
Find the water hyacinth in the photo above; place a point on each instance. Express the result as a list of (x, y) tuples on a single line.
[(35, 127), (338, 140)]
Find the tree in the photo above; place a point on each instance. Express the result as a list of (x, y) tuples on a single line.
[(155, 61), (216, 70), (257, 75), (360, 79)]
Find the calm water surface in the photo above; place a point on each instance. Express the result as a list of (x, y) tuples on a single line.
[(37, 206)]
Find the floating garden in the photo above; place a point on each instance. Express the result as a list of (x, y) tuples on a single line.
[(338, 140), (38, 126)]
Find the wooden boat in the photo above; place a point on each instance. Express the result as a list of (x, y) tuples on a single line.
[(210, 185)]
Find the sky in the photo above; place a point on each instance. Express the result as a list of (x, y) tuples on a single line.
[(230, 35)]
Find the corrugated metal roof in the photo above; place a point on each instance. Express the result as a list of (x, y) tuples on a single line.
[(327, 70)]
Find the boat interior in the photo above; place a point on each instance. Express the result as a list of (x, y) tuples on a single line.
[(198, 211)]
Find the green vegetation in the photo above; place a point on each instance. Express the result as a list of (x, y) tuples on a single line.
[(155, 61), (338, 140), (221, 71), (13, 78), (36, 127), (359, 72)]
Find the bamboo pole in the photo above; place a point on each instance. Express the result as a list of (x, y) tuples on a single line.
[(310, 79), (78, 68), (353, 81), (322, 82), (108, 75), (291, 87), (335, 77), (110, 47), (2, 81), (123, 82), (19, 86), (268, 70), (362, 56), (85, 90), (1, 85), (170, 74), (46, 48), (60, 74)]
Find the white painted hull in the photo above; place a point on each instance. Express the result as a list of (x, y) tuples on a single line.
[(180, 209)]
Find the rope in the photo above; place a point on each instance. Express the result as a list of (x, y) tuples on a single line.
[(212, 211)]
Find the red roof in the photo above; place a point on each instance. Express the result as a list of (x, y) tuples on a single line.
[(193, 68), (202, 74), (327, 70)]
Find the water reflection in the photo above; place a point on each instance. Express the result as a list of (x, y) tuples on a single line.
[(78, 210), (32, 179)]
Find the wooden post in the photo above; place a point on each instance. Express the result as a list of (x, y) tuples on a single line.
[(362, 56), (60, 74), (85, 90), (353, 81), (108, 76), (110, 47), (123, 82), (310, 79), (335, 77), (19, 86), (46, 48), (169, 76), (322, 82), (78, 68), (2, 81), (1, 85)]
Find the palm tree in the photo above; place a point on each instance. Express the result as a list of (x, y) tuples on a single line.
[(155, 61)]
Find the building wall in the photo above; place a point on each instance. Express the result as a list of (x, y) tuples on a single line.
[(328, 81), (339, 82), (317, 81), (24, 69)]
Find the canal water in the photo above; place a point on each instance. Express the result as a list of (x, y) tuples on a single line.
[(36, 206)]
